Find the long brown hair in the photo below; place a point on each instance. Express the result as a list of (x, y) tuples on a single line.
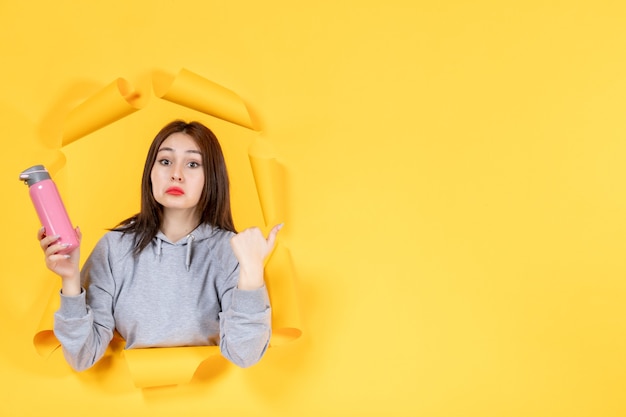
[(214, 203)]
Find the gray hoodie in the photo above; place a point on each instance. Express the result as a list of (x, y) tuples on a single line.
[(173, 294)]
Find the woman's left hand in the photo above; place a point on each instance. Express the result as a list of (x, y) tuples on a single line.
[(251, 249)]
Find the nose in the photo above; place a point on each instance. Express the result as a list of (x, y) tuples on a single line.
[(176, 174)]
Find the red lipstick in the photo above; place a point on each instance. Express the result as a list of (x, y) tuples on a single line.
[(174, 191)]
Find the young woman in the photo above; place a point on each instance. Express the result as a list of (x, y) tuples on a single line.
[(176, 273)]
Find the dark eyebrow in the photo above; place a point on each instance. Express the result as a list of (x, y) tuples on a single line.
[(172, 150)]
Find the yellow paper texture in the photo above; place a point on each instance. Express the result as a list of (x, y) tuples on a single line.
[(166, 366), (456, 186), (195, 92), (112, 103)]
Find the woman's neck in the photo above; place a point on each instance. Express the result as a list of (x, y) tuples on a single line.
[(178, 224)]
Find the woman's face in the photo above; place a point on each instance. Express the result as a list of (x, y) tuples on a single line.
[(177, 174)]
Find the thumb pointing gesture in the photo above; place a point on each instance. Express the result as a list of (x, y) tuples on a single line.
[(251, 249)]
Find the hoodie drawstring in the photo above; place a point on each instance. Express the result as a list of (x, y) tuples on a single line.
[(158, 248), (190, 239)]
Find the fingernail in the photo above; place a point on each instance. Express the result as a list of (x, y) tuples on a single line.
[(67, 256), (66, 245)]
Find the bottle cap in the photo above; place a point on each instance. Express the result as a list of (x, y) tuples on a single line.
[(34, 174)]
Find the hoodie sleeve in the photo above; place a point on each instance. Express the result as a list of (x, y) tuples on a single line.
[(245, 321), (84, 324)]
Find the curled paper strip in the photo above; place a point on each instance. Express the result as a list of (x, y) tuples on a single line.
[(118, 100), (45, 341), (269, 182), (115, 101), (281, 285), (170, 366), (195, 92), (166, 366), (279, 270)]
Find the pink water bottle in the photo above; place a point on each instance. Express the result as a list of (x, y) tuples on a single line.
[(49, 206)]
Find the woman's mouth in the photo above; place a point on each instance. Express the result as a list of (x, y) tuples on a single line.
[(174, 191)]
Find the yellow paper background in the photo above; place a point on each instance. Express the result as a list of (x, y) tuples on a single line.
[(454, 198)]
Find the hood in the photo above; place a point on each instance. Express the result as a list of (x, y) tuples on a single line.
[(200, 233)]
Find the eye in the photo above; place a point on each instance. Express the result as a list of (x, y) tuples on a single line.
[(193, 164), (164, 162)]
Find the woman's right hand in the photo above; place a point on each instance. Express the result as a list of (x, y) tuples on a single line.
[(64, 265)]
